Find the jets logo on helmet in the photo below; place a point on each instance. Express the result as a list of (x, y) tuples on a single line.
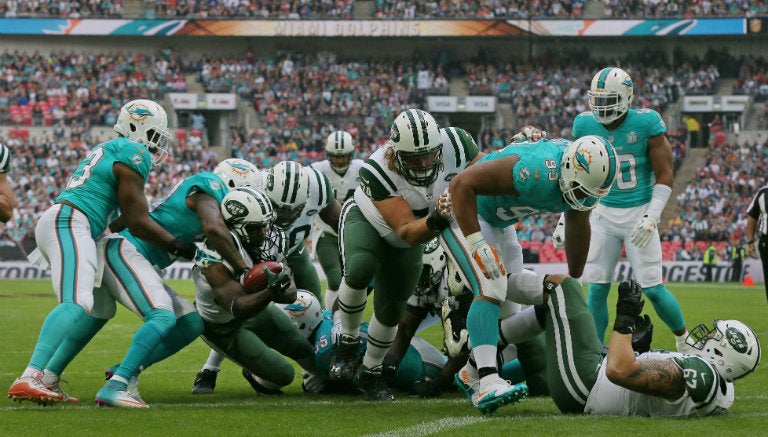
[(736, 339), (246, 211), (235, 209), (730, 346)]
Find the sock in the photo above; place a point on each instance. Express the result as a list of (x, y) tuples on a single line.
[(58, 323), (483, 332), (79, 336), (330, 298), (666, 306), (49, 378), (380, 338), (214, 361), (351, 305), (31, 372), (597, 302), (156, 324), (187, 328)]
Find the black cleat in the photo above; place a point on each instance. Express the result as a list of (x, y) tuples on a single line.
[(205, 382), (372, 383), (260, 389), (344, 365)]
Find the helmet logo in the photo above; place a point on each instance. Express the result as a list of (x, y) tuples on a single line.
[(736, 339), (395, 134), (240, 168), (270, 181), (236, 209), (582, 160), (139, 112), (627, 82), (299, 307), (431, 245)]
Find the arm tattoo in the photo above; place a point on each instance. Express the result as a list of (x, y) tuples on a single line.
[(661, 378)]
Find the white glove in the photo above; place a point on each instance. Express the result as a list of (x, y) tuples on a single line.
[(312, 383), (453, 346), (558, 237), (485, 256), (336, 332), (444, 204), (643, 231), (205, 257), (529, 133)]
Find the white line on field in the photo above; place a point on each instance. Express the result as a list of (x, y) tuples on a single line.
[(429, 428)]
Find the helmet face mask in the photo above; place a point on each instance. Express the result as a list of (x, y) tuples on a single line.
[(287, 186), (339, 148), (418, 147), (610, 95), (238, 173), (587, 171), (730, 345), (305, 312), (249, 214), (146, 122)]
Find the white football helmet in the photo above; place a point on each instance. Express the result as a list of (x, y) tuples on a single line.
[(587, 171), (610, 94), (145, 122), (305, 312), (731, 346), (339, 147), (432, 269), (418, 145), (247, 212), (238, 173), (287, 186)]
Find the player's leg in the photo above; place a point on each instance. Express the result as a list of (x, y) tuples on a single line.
[(63, 237), (604, 251), (646, 263), (328, 255), (361, 249), (762, 248), (303, 271), (277, 331)]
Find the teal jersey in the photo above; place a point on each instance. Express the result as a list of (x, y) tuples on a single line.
[(634, 184), (325, 345), (93, 186), (536, 177), (173, 215)]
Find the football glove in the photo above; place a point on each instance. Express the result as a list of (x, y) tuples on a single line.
[(558, 237), (485, 256), (642, 334), (455, 334), (205, 257), (643, 231), (426, 388), (628, 307), (277, 282), (529, 133), (312, 383), (182, 249)]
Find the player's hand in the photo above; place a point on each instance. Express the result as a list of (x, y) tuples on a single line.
[(277, 282), (426, 388), (751, 250), (486, 257), (444, 205), (455, 334), (643, 231), (558, 237), (642, 334), (529, 133), (182, 249), (628, 307), (312, 383), (205, 257)]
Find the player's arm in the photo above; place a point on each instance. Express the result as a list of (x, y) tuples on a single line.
[(135, 210), (485, 178), (660, 155), (399, 216), (215, 230), (229, 293), (8, 199), (331, 213), (406, 329), (577, 237)]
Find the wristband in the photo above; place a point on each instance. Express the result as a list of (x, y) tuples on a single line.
[(436, 222), (751, 241), (658, 201)]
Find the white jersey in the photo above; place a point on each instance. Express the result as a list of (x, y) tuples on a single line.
[(706, 394), (274, 250), (343, 186), (378, 182)]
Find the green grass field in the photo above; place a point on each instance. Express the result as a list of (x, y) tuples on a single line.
[(235, 410)]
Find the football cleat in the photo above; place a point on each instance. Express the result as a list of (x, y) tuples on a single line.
[(372, 383), (115, 394), (467, 382), (260, 389), (346, 361), (31, 388), (494, 392), (133, 383), (205, 382), (51, 382)]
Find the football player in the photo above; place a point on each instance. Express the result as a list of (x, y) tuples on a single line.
[(392, 212), (8, 199), (132, 276), (240, 324), (629, 214), (111, 177), (343, 174), (488, 198), (582, 379)]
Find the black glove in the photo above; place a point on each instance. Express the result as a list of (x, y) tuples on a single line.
[(389, 368), (277, 282), (628, 307), (436, 222), (182, 248), (642, 335), (426, 388)]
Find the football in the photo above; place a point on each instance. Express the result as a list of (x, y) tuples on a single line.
[(256, 280)]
